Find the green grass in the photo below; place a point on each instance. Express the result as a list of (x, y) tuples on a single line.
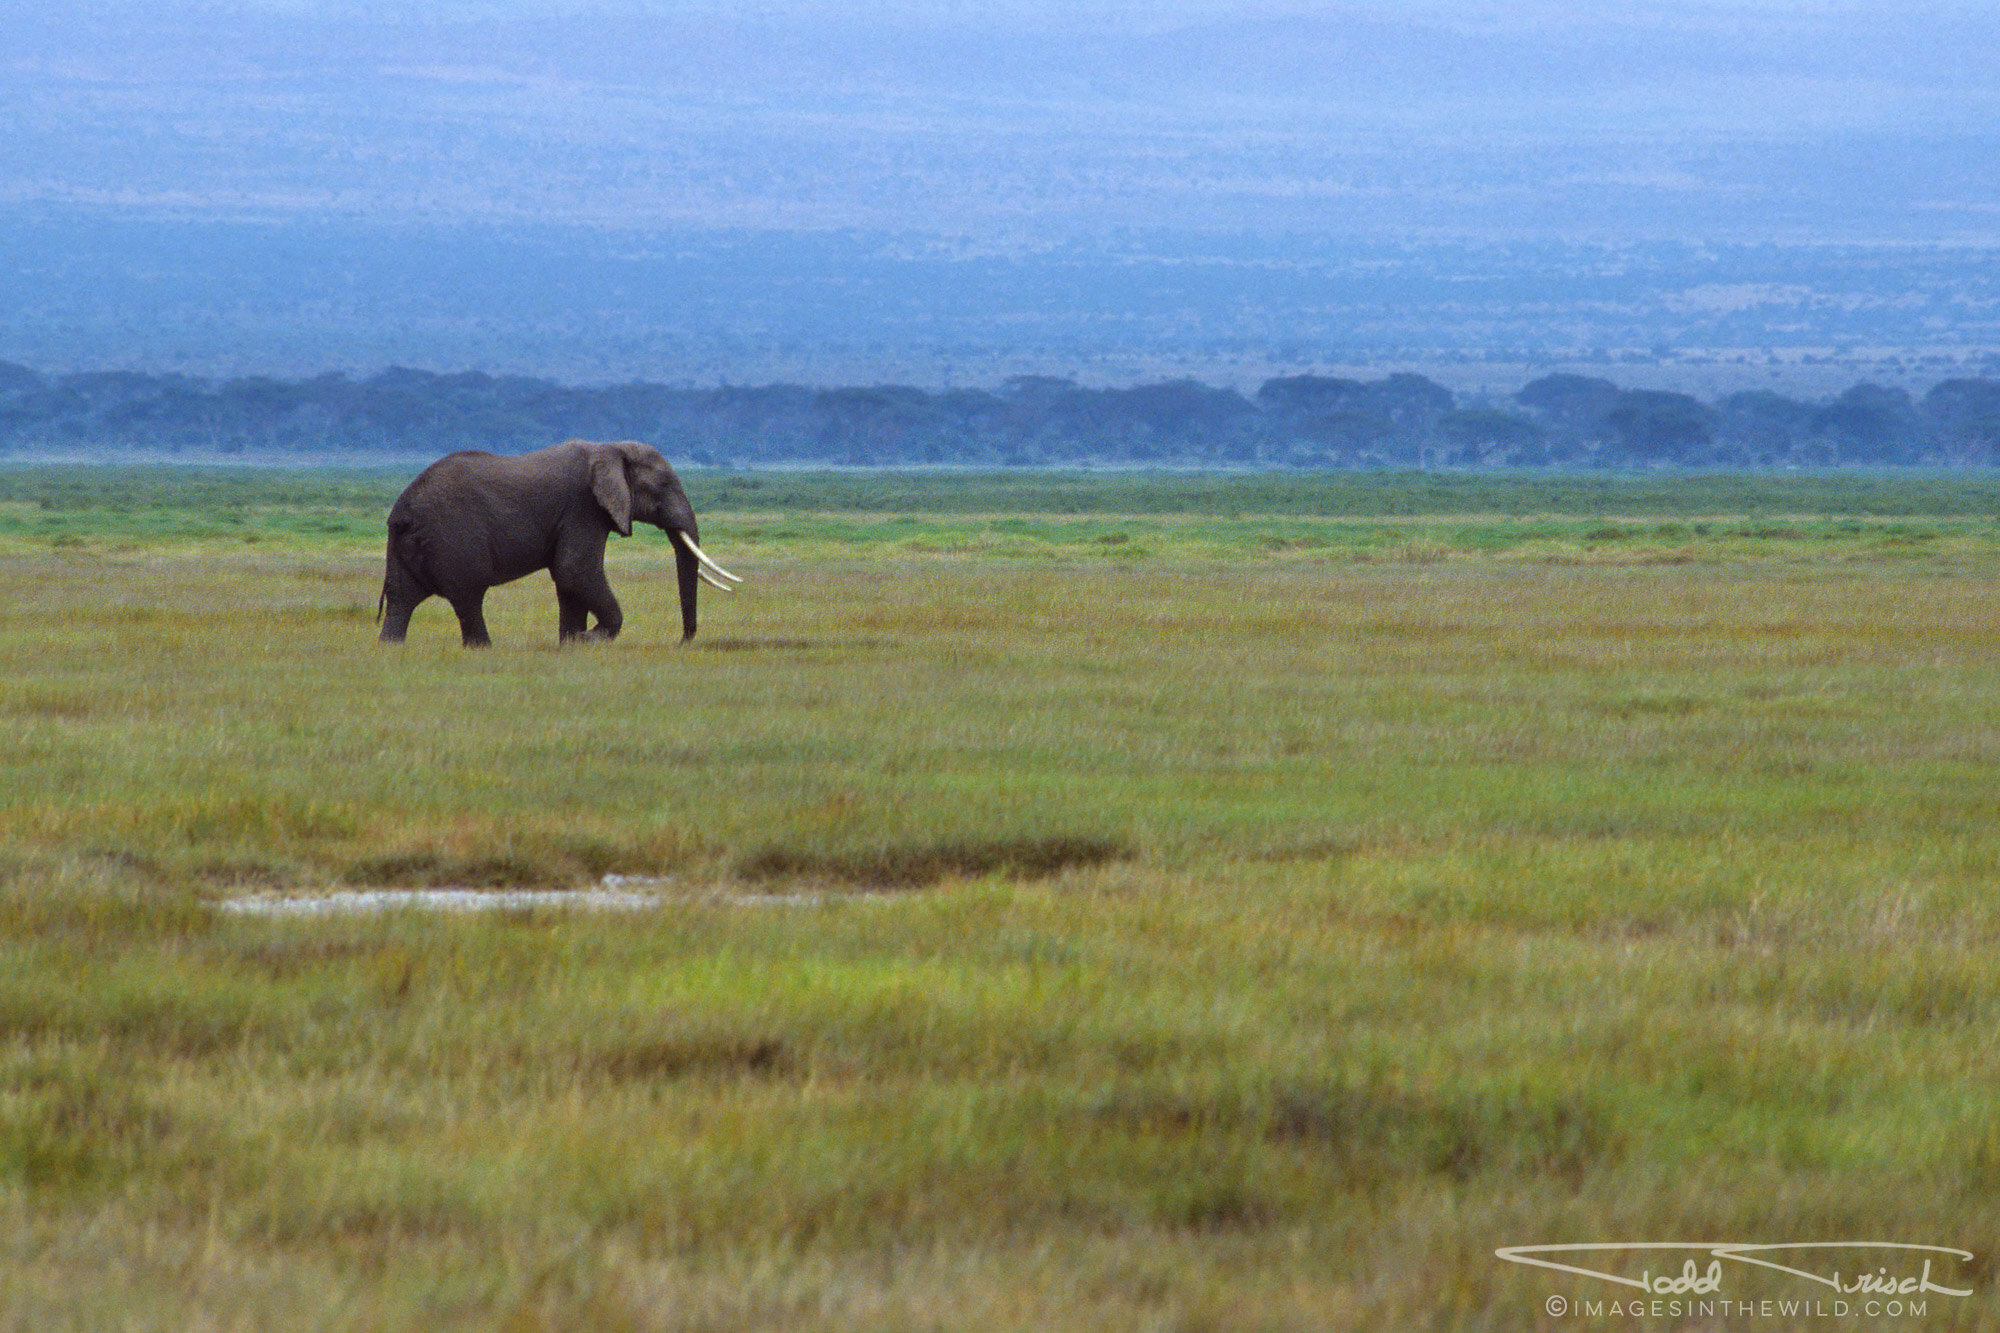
[(1209, 932), (1308, 518), (1368, 495)]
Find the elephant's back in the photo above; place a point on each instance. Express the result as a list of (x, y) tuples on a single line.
[(451, 470), (476, 472)]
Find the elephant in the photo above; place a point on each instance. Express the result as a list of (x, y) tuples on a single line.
[(473, 520)]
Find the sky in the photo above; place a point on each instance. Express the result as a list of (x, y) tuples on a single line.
[(1754, 118), (1141, 132)]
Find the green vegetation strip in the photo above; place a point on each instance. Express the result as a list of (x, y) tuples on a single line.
[(1324, 517), (1361, 494), (367, 492)]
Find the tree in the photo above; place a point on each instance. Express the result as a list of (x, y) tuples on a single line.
[(1177, 417), (1305, 396), (1412, 402), (1573, 407), (1655, 427), (1964, 420), (1043, 416), (1483, 435), (1869, 424), (881, 425), (1764, 427), (1320, 419)]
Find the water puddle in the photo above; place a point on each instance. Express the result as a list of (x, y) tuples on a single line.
[(614, 893), (341, 902)]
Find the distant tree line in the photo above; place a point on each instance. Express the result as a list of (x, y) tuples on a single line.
[(1301, 421)]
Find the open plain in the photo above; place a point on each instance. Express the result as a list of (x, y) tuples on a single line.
[(1098, 903)]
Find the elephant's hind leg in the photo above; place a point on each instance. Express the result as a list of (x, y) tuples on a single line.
[(396, 620), (400, 597)]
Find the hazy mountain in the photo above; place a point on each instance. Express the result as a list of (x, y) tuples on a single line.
[(498, 184)]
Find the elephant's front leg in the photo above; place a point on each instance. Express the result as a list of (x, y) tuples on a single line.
[(471, 611), (573, 615)]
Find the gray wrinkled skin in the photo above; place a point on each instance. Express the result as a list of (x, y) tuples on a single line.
[(474, 520)]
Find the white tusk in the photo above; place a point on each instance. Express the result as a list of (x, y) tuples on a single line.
[(711, 580), (702, 556)]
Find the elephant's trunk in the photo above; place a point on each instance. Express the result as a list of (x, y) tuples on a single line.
[(692, 563), (688, 571)]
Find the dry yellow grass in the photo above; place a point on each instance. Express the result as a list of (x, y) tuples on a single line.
[(1269, 940)]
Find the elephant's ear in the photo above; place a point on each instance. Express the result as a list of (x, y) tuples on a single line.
[(608, 484)]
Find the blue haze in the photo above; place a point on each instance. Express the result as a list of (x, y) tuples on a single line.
[(954, 193)]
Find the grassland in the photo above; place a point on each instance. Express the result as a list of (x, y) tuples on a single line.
[(1240, 903)]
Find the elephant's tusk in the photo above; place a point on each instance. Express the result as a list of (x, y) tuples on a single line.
[(702, 556), (711, 580)]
